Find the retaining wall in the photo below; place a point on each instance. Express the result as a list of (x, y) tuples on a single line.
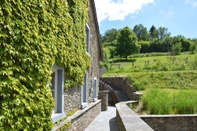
[(121, 83), (82, 118), (128, 120), (171, 122)]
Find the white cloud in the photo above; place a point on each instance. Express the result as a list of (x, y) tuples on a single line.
[(195, 3), (109, 9)]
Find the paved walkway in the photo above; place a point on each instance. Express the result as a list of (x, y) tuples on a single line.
[(105, 121)]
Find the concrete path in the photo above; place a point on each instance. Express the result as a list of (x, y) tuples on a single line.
[(105, 121)]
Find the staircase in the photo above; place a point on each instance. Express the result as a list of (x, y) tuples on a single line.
[(122, 96)]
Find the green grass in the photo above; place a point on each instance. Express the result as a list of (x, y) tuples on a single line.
[(159, 101), (169, 83)]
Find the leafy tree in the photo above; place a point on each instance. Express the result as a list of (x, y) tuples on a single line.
[(145, 46), (192, 47), (163, 32), (153, 32), (167, 44), (127, 43), (109, 41), (141, 32), (184, 42), (156, 45), (176, 48), (110, 35)]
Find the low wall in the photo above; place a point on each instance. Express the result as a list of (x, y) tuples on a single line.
[(82, 118), (128, 120), (171, 122), (121, 83)]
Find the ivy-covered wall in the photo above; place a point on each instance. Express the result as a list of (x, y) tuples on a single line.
[(35, 35)]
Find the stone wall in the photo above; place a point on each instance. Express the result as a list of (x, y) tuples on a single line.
[(112, 97), (171, 122), (95, 49), (128, 120), (72, 98), (121, 83), (82, 118), (103, 95)]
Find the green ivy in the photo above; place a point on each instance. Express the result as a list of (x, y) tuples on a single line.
[(35, 35)]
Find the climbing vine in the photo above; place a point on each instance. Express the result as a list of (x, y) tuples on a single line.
[(35, 35)]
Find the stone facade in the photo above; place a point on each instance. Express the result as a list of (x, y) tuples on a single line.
[(73, 96), (171, 122), (95, 49)]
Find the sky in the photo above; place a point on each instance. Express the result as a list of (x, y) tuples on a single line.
[(179, 16)]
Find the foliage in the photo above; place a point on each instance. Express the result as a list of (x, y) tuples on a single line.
[(157, 101), (176, 49), (145, 46), (67, 124), (35, 35), (141, 32), (192, 47), (127, 43), (159, 39)]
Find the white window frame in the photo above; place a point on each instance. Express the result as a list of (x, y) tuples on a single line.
[(58, 112), (84, 89), (84, 92), (95, 89), (87, 38)]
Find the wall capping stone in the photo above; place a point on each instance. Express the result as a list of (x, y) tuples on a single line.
[(128, 120)]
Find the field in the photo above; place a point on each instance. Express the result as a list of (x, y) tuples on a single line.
[(169, 83)]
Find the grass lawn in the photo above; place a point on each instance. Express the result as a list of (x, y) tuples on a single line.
[(169, 83)]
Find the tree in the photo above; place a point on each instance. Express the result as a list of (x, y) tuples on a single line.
[(127, 43), (145, 46), (153, 32), (110, 35), (109, 42), (167, 44), (184, 42), (141, 32), (163, 32), (192, 47), (176, 48)]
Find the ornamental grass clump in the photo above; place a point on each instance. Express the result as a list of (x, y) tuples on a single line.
[(163, 101)]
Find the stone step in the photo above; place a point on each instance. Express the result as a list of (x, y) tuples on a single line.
[(122, 96)]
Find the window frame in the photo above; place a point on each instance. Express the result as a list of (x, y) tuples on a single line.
[(87, 38), (84, 92), (58, 112), (95, 89)]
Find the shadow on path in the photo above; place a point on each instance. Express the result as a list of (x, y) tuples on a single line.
[(113, 125)]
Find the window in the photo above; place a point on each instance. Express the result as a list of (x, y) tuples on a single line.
[(87, 38), (57, 90), (84, 99), (95, 89), (84, 89)]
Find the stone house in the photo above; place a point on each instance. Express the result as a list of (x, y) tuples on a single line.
[(84, 98)]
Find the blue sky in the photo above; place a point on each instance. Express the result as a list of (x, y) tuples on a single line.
[(179, 16)]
